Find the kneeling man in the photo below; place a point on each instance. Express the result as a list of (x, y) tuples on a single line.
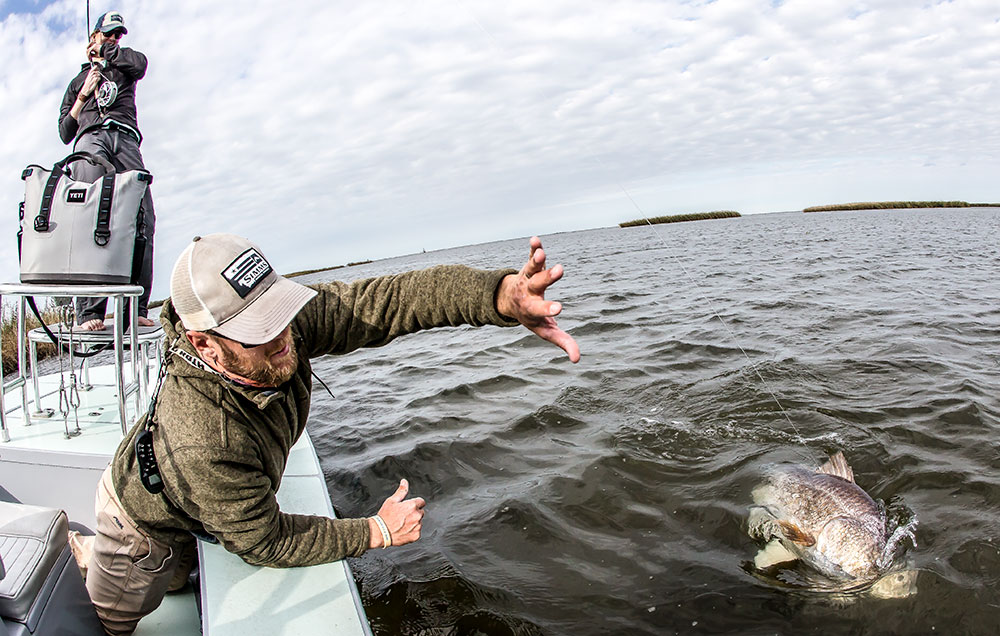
[(235, 398)]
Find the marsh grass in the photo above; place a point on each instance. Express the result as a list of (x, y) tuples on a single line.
[(677, 218), (8, 334), (325, 269), (897, 205)]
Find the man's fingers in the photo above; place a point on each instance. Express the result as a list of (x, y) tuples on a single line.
[(400, 494), (541, 281), (534, 311), (536, 262), (523, 298), (403, 517), (534, 244), (409, 521), (568, 344), (542, 308), (561, 339)]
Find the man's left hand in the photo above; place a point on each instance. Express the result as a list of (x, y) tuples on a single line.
[(94, 50), (521, 297)]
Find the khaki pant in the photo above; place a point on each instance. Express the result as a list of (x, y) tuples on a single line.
[(130, 571)]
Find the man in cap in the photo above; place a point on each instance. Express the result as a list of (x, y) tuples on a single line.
[(98, 113), (235, 399)]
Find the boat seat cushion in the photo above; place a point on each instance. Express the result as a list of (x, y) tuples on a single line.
[(31, 540)]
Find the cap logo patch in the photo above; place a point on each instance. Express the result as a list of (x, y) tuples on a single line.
[(246, 272)]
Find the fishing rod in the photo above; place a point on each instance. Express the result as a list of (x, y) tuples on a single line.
[(94, 64)]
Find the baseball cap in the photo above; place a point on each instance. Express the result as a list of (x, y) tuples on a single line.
[(223, 282), (109, 22)]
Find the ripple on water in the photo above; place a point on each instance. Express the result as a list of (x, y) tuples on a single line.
[(610, 497)]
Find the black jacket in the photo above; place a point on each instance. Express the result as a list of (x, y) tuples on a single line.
[(116, 93)]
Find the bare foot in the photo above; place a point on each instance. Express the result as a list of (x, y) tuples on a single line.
[(95, 324), (145, 322)]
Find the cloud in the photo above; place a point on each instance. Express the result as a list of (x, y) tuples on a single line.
[(332, 132)]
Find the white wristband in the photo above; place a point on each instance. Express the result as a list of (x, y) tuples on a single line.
[(386, 537)]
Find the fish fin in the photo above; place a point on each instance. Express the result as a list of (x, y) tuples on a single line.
[(796, 534), (773, 554), (837, 466)]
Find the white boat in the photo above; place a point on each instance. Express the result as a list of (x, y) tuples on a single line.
[(57, 434)]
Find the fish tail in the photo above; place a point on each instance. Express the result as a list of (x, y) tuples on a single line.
[(898, 535)]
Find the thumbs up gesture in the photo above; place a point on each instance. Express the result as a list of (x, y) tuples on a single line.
[(401, 517)]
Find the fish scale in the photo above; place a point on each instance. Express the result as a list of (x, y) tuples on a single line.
[(817, 497), (822, 518)]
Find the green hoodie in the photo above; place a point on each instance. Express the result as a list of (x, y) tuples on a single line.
[(222, 446)]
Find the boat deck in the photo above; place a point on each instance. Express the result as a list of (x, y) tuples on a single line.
[(41, 466), (244, 599)]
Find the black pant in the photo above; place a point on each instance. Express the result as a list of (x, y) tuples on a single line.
[(121, 150)]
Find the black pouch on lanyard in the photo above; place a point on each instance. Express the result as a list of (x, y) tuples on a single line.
[(149, 470)]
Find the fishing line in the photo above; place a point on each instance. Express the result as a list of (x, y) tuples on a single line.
[(708, 300), (689, 278), (711, 305)]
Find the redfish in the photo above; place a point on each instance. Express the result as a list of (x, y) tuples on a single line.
[(826, 520)]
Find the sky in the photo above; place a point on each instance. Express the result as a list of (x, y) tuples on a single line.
[(330, 132)]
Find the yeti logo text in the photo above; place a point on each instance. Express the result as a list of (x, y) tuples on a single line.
[(76, 196), (246, 272)]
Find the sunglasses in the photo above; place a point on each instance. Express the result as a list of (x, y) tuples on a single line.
[(242, 344), (116, 34)]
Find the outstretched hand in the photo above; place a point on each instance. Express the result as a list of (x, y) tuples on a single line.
[(521, 297), (403, 518)]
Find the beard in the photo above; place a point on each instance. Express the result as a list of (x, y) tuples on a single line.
[(265, 371)]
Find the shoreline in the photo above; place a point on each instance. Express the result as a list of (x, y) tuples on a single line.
[(896, 205), (679, 218), (306, 272)]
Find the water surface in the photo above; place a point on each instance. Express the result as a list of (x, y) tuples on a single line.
[(610, 497)]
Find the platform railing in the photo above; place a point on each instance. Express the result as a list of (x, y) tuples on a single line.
[(136, 387)]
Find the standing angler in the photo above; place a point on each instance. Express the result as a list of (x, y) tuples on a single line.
[(98, 112)]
